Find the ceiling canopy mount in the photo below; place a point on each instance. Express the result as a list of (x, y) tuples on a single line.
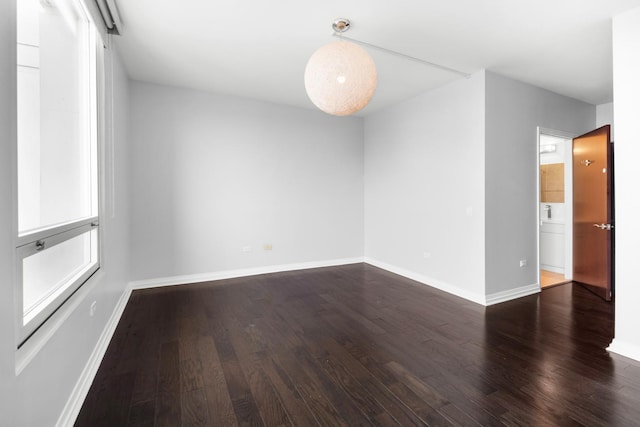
[(341, 25)]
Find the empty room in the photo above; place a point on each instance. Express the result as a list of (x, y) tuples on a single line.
[(335, 213)]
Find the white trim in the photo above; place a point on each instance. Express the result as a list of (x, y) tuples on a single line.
[(511, 294), (81, 389), (626, 349), (557, 133), (434, 283), (231, 274), (568, 212), (49, 232)]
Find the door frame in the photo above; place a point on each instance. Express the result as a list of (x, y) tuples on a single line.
[(568, 225)]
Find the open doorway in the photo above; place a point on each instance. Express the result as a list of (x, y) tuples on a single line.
[(555, 207)]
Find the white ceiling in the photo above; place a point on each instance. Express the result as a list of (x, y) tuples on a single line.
[(259, 49)]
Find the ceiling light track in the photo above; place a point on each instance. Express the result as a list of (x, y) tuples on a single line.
[(402, 55)]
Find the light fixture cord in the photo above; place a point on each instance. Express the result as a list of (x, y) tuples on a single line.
[(412, 58)]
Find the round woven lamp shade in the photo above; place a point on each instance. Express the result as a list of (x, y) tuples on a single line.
[(340, 78)]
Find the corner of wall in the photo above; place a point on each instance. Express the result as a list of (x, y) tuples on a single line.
[(414, 223)]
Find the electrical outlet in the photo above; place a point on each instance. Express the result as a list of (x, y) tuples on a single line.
[(426, 255), (92, 309), (246, 249), (523, 263)]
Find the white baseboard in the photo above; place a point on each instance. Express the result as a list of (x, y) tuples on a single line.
[(455, 290), (552, 269), (504, 296), (625, 349), (446, 287), (232, 274), (81, 389)]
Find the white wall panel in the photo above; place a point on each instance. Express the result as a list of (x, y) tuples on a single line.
[(626, 93)]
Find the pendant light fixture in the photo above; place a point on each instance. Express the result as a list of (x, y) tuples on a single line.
[(341, 76)]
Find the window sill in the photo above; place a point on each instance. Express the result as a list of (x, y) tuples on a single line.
[(28, 351)]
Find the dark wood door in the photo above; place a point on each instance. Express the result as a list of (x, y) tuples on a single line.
[(592, 211)]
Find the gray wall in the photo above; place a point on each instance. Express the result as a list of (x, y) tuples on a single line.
[(604, 116), (514, 110), (38, 394), (215, 174), (450, 182), (424, 187)]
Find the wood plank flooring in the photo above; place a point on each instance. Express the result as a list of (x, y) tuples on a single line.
[(355, 345), (549, 278)]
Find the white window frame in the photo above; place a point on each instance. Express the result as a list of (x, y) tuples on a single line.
[(33, 241)]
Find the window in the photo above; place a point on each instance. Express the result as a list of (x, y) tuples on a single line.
[(57, 162)]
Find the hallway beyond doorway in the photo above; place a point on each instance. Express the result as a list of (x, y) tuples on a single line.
[(549, 279)]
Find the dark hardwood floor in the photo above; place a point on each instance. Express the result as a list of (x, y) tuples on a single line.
[(355, 345)]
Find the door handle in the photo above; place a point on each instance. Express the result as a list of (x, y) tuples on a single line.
[(603, 226)]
